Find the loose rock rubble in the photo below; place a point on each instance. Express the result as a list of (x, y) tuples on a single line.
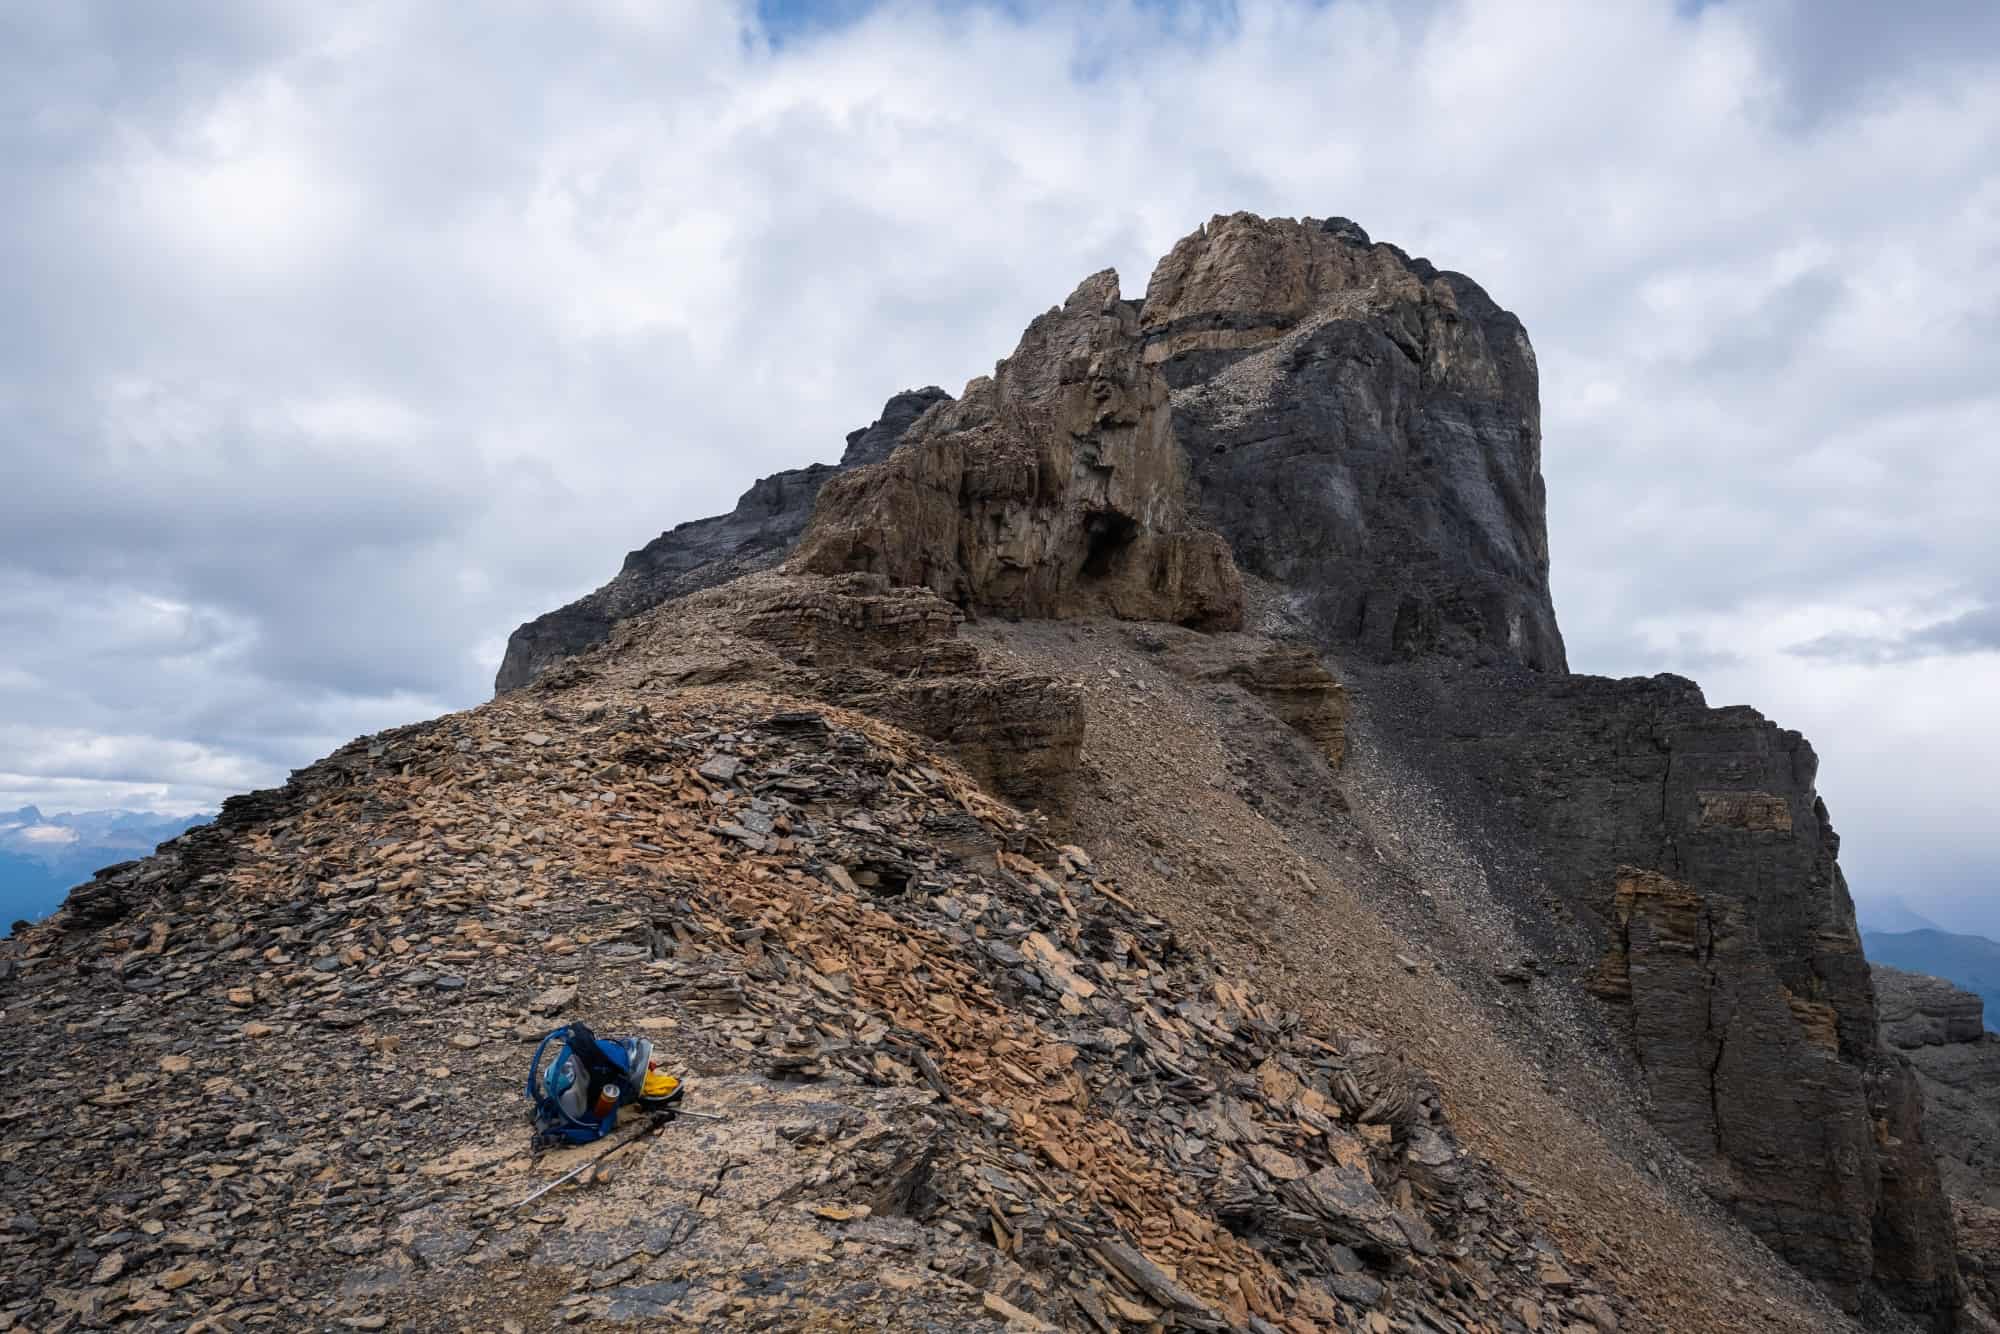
[(1207, 799), (270, 1076)]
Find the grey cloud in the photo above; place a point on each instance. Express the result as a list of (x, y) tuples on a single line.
[(1776, 335), (1837, 54), (1975, 631)]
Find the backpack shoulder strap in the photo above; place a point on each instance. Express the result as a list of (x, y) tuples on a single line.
[(535, 1066)]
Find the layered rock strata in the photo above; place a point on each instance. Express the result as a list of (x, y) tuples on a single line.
[(892, 652), (1298, 689), (1676, 861), (1051, 488)]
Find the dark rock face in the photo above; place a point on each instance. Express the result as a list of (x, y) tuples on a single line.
[(1678, 861), (755, 535), (1919, 1013), (1942, 1030), (1969, 962), (1365, 430)]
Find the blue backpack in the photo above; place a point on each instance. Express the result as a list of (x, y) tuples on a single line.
[(578, 1095)]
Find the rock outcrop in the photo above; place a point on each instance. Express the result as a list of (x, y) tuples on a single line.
[(1942, 1030), (1970, 962), (757, 534), (1737, 1064), (1296, 686), (1676, 861), (1051, 488), (1366, 431), (1922, 1014), (891, 652)]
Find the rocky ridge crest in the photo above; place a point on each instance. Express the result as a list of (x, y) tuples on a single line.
[(963, 1079), (757, 534)]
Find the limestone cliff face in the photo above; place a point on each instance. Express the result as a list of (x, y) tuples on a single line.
[(1676, 861), (1052, 488), (1365, 430), (1942, 1030), (1824, 1157)]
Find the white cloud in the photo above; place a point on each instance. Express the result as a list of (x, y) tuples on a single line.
[(339, 340)]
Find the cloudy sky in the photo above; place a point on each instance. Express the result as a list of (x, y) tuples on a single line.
[(336, 340)]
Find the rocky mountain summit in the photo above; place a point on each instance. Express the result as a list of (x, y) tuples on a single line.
[(1121, 850), (1363, 429)]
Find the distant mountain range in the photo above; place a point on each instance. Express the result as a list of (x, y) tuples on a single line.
[(43, 856), (1971, 962), (1889, 913)]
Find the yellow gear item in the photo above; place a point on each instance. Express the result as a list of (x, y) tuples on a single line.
[(659, 1087)]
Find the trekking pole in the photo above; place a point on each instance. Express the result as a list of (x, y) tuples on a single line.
[(658, 1123), (573, 1172)]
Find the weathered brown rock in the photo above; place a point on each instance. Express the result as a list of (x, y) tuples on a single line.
[(1292, 680), (1751, 812), (890, 651), (1243, 281), (1052, 488)]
